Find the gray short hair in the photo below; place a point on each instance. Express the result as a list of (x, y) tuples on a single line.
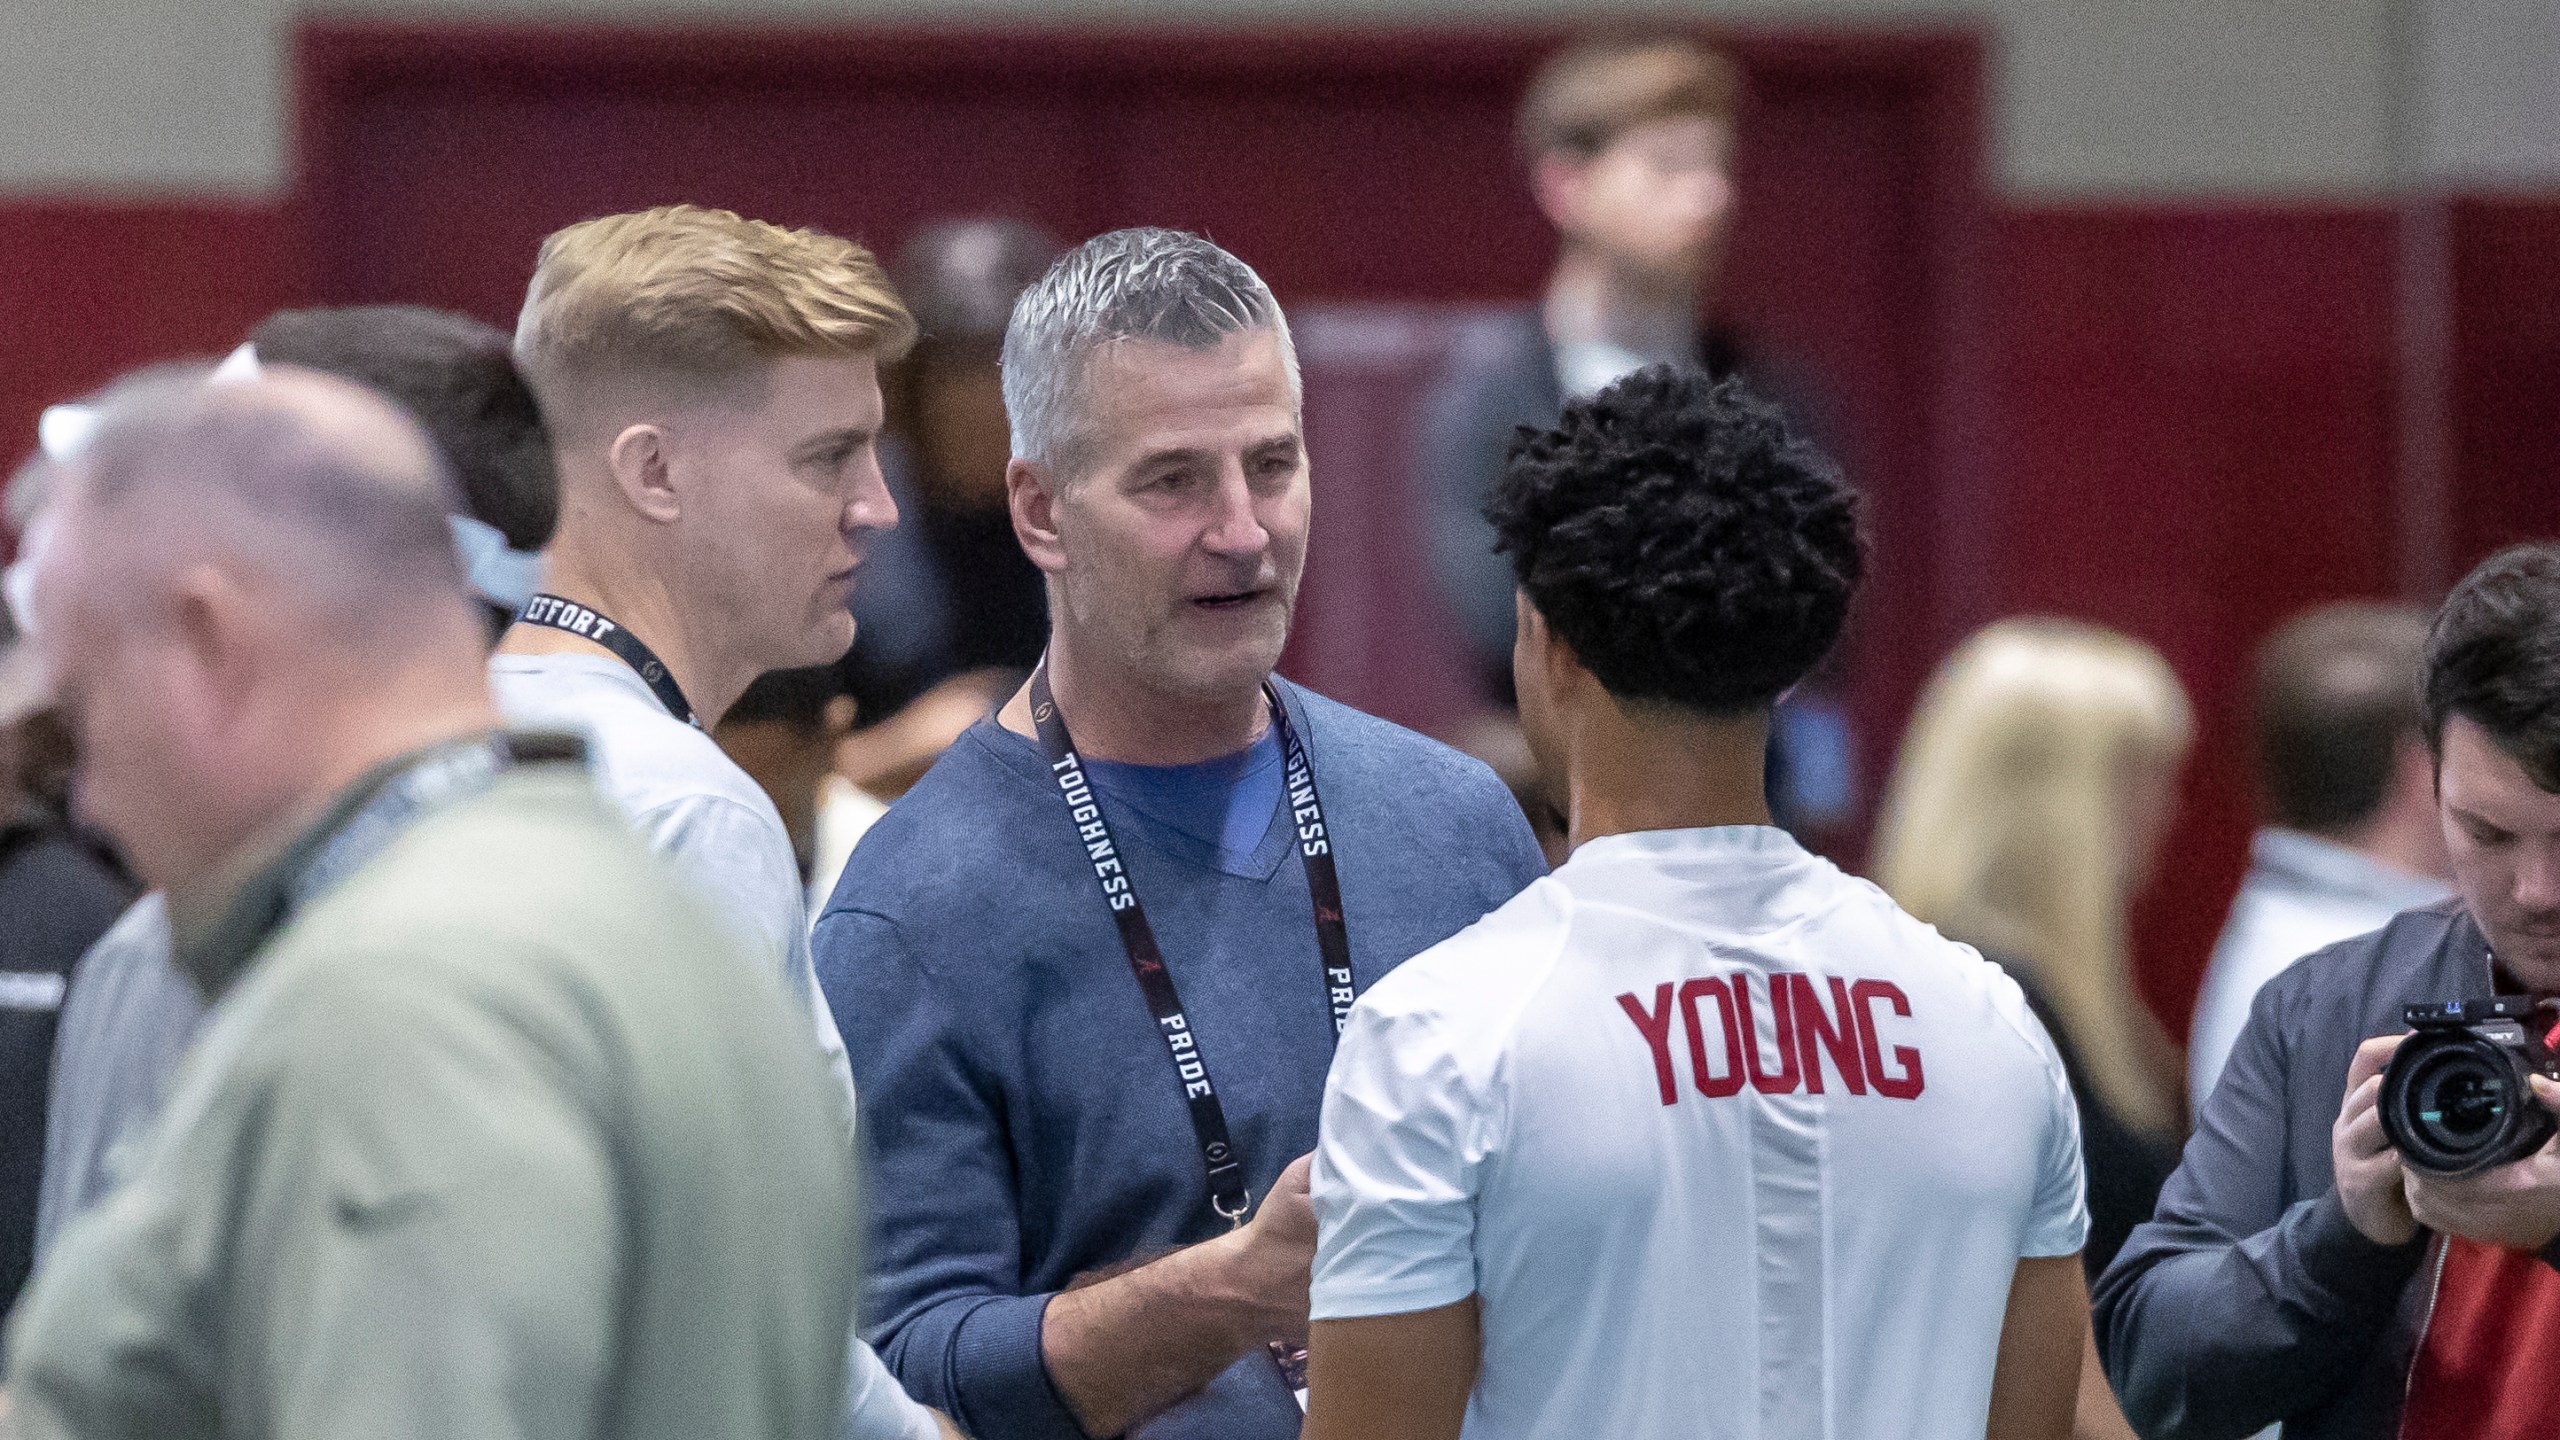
[(1143, 284), (323, 482)]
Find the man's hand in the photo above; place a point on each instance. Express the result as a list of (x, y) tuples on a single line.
[(2515, 1206), (1122, 1349), (2371, 1184), (1275, 1257)]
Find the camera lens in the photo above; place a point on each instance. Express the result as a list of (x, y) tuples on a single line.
[(2454, 1104), (2459, 1104)]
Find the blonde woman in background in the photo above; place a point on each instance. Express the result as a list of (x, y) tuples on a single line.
[(2034, 788)]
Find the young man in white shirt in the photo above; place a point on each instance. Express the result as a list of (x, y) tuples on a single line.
[(1698, 1136)]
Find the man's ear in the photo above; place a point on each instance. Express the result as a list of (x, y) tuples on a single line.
[(639, 460), (1030, 493), (215, 621), (1560, 672), (1559, 184)]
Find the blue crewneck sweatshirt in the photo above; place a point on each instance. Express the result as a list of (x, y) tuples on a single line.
[(1023, 1122)]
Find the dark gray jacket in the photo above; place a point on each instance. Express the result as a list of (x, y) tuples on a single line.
[(2250, 1297)]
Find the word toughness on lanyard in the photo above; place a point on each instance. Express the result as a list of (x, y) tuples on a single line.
[(1726, 1051), (553, 613), (1227, 1192)]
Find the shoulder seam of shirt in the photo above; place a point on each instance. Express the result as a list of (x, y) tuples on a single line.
[(1501, 1031), (934, 983), (1498, 1078)]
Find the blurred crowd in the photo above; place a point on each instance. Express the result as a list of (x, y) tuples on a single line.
[(735, 862)]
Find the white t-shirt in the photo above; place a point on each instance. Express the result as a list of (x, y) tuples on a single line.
[(688, 799), (1670, 1238)]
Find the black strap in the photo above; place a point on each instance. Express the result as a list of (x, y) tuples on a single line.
[(1227, 1192), (553, 613)]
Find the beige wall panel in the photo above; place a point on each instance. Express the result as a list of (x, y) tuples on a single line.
[(2090, 99)]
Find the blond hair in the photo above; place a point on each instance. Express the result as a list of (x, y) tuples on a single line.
[(686, 291), (2007, 824)]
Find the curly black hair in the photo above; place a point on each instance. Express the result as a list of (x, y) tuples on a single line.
[(1689, 545)]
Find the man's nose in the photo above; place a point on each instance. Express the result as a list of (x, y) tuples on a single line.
[(2538, 876), (1235, 529), (871, 507)]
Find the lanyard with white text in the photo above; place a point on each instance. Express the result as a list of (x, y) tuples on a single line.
[(1227, 1193), (553, 613)]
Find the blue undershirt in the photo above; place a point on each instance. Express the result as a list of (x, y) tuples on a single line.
[(1225, 803)]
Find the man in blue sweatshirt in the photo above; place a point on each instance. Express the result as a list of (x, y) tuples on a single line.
[(1090, 970)]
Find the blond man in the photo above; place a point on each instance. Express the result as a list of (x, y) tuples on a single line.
[(712, 386)]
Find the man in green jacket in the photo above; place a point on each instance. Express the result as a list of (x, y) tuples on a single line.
[(492, 1131)]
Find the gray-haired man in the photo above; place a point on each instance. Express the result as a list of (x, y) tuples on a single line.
[(1091, 968)]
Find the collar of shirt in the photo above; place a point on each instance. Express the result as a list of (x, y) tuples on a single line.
[(2292, 861), (1226, 803)]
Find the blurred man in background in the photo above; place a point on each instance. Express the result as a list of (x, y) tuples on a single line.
[(952, 615), (2298, 1270), (2352, 835), (131, 1012), (411, 1184), (1536, 1221), (1629, 148), (1092, 966)]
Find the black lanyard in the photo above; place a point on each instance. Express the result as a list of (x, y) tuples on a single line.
[(553, 613), (1227, 1193)]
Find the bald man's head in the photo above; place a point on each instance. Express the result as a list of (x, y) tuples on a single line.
[(327, 489), (234, 587)]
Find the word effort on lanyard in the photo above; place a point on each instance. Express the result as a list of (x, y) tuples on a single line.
[(553, 613)]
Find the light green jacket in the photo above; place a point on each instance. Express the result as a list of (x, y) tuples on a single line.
[(500, 1137)]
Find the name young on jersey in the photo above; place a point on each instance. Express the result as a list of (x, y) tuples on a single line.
[(1717, 1025)]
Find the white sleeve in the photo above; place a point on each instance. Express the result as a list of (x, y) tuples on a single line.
[(740, 860), (1395, 1171), (875, 1408), (2059, 1223)]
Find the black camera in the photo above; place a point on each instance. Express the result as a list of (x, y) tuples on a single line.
[(2458, 1096)]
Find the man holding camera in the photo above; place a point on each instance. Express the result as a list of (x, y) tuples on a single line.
[(2304, 1268)]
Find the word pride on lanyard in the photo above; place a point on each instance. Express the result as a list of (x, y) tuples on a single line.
[(1227, 1193), (1313, 844)]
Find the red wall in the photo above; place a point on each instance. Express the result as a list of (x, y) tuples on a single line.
[(2195, 443), (89, 290), (2171, 420)]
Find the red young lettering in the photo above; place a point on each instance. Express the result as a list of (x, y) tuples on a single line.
[(1714, 1087), (1817, 1035), (1784, 1082), (1656, 1029), (1907, 1085)]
